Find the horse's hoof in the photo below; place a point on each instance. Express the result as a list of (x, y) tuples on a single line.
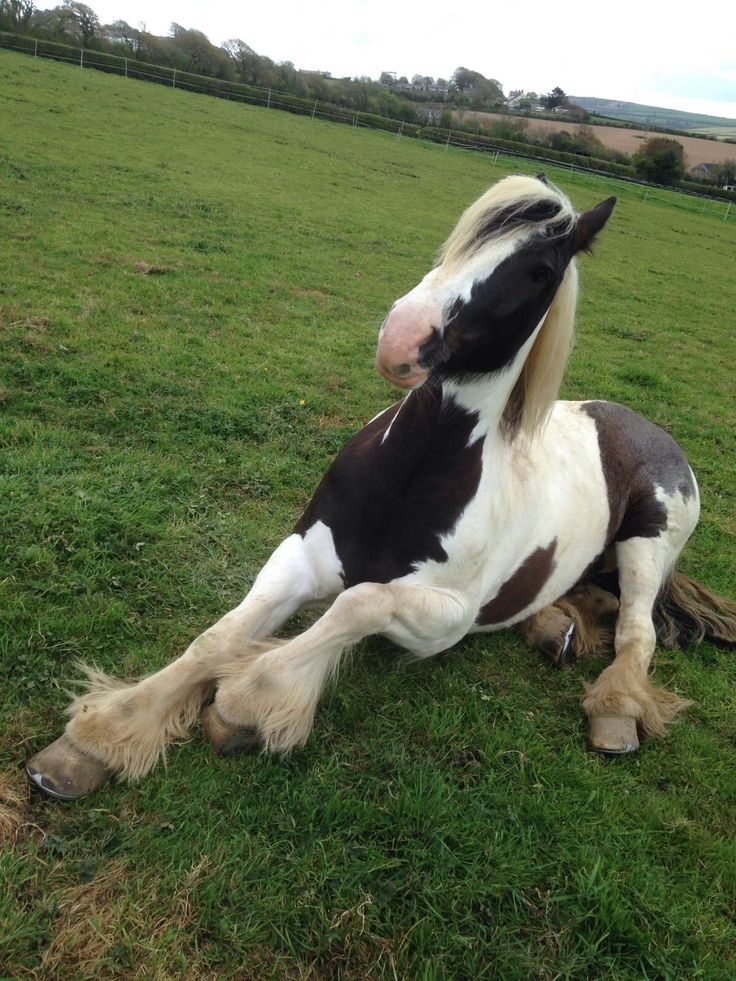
[(566, 651), (226, 739), (612, 734), (65, 772), (556, 645)]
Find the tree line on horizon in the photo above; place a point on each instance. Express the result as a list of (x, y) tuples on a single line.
[(447, 103)]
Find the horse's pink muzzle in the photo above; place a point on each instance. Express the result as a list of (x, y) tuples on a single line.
[(404, 331)]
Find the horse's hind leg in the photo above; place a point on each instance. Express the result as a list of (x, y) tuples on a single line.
[(125, 728), (573, 626), (622, 700)]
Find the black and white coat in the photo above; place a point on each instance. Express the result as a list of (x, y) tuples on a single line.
[(469, 506)]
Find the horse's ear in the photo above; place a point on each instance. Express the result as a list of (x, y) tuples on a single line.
[(590, 223), (542, 177)]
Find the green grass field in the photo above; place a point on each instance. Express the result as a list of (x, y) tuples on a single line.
[(190, 292), (720, 132)]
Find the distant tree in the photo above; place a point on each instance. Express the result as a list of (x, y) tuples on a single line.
[(555, 98), (387, 78), (251, 68), (15, 15), (582, 141), (661, 161), (121, 33), (58, 23), (288, 78), (86, 22), (197, 54), (416, 80), (462, 79), (561, 140), (510, 128), (446, 119), (475, 88), (726, 172), (587, 142), (387, 103)]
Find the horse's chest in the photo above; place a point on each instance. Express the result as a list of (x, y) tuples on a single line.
[(525, 538)]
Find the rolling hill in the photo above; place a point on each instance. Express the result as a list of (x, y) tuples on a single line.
[(634, 112)]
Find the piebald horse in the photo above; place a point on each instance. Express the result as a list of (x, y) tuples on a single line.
[(476, 503)]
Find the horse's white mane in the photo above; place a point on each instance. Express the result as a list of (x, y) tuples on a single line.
[(512, 206)]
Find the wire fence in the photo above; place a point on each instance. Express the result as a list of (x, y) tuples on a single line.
[(272, 98)]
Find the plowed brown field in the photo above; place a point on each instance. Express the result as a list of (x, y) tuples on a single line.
[(625, 140)]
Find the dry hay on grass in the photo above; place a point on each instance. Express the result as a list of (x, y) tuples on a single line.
[(13, 805), (120, 909)]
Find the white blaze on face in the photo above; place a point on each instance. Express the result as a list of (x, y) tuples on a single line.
[(420, 315)]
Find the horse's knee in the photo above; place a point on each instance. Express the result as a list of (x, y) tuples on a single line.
[(367, 607)]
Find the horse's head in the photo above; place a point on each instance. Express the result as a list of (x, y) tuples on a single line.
[(494, 283)]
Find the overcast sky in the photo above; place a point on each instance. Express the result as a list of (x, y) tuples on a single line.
[(668, 54)]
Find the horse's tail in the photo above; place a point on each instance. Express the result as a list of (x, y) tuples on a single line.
[(687, 613)]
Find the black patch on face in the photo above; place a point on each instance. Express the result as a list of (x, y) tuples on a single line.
[(388, 503), (485, 334), (518, 592), (637, 457)]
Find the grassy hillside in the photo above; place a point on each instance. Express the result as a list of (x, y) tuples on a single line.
[(189, 297), (635, 112)]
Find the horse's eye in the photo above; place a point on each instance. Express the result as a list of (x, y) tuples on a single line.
[(540, 274)]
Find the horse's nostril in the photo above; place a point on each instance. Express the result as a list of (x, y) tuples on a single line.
[(402, 370)]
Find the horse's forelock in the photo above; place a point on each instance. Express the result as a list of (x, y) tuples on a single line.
[(513, 204)]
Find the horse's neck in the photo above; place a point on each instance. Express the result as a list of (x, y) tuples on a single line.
[(486, 399)]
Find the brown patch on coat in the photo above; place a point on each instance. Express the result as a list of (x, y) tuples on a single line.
[(520, 591), (637, 458), (389, 499)]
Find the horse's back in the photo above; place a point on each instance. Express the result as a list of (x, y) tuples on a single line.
[(645, 470)]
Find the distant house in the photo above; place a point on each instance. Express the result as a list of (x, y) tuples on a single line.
[(706, 172)]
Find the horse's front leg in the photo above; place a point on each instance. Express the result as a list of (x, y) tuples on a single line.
[(125, 728), (272, 700), (622, 699)]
